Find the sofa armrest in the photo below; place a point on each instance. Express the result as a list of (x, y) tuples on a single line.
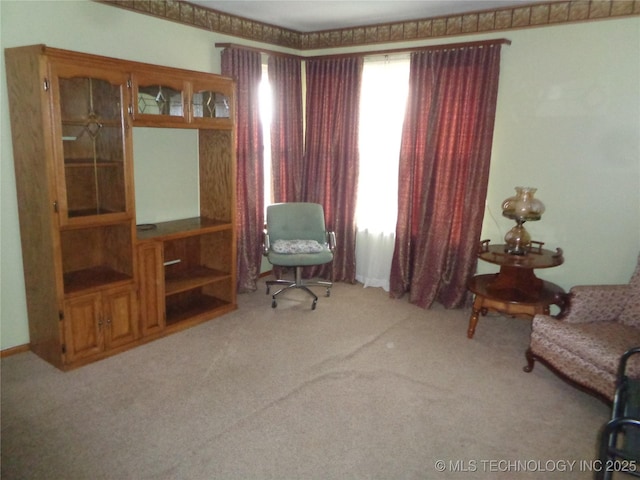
[(594, 303)]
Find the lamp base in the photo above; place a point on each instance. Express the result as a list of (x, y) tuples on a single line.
[(518, 240)]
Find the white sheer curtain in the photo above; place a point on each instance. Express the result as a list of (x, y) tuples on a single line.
[(266, 105), (383, 98)]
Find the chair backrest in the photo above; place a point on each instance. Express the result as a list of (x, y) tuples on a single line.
[(296, 221)]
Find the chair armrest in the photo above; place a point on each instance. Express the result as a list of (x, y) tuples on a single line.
[(612, 449), (626, 401), (331, 237), (622, 368), (266, 243), (595, 303)]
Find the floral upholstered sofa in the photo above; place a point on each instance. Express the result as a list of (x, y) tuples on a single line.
[(585, 342)]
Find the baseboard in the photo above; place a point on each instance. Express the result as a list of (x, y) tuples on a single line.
[(7, 352)]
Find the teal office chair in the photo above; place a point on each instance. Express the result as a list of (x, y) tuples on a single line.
[(295, 236)]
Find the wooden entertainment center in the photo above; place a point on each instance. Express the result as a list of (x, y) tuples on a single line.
[(97, 283)]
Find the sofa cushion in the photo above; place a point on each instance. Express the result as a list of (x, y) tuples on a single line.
[(596, 343)]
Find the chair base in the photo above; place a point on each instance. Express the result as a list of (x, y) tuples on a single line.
[(300, 284)]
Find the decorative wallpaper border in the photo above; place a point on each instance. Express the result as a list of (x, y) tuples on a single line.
[(534, 15)]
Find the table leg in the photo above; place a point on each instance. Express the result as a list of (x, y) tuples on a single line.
[(475, 314)]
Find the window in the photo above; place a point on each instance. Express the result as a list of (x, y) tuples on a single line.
[(385, 84)]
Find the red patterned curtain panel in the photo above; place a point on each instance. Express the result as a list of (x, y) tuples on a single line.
[(331, 160), (245, 67), (285, 77), (444, 171)]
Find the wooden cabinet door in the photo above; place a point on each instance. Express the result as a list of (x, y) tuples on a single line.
[(151, 272), (120, 317), (99, 321), (83, 327)]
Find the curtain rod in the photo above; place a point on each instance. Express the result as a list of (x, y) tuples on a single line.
[(259, 50), (448, 46)]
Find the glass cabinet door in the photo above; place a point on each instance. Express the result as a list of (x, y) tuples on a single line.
[(210, 104), (211, 101), (92, 160), (158, 100)]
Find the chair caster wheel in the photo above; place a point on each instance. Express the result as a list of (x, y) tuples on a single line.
[(328, 292), (274, 304), (313, 305)]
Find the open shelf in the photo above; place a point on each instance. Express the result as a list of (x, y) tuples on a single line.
[(96, 256), (94, 277), (192, 278), (181, 228), (194, 258), (190, 306)]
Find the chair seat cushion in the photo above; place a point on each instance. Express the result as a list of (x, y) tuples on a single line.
[(301, 259), (597, 343), (290, 247)]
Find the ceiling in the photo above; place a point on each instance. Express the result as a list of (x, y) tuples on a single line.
[(313, 16)]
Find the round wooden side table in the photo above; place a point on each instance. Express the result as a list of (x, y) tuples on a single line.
[(515, 290)]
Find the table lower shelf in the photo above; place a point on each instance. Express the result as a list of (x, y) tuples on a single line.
[(511, 302)]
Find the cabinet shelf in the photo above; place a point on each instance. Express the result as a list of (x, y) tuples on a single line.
[(94, 277), (192, 278), (86, 212), (82, 122), (89, 162), (195, 306), (183, 228)]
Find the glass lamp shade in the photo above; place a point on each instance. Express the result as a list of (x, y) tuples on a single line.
[(522, 207)]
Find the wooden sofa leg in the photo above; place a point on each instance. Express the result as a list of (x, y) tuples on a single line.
[(530, 360)]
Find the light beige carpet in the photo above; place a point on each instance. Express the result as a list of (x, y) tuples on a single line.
[(364, 387)]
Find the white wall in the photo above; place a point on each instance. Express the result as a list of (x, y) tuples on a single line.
[(166, 173), (567, 123)]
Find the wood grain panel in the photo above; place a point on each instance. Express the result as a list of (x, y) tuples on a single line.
[(151, 283), (217, 182), (217, 251), (31, 137), (121, 317), (83, 328)]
